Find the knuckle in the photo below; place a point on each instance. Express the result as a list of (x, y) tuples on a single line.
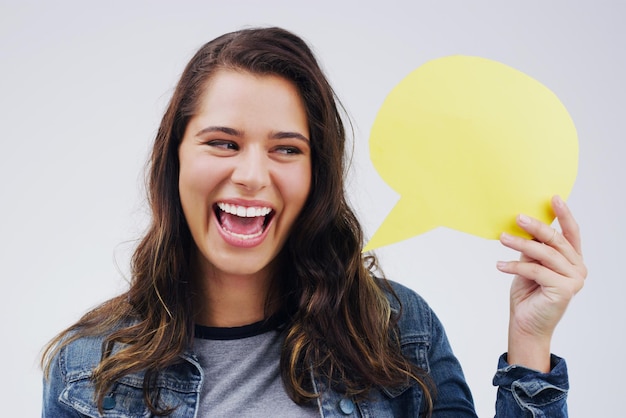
[(584, 272), (534, 269), (580, 285), (576, 287), (553, 253)]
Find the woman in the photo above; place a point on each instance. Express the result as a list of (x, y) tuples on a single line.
[(249, 293)]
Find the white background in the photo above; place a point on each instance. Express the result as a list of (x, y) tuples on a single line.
[(82, 89)]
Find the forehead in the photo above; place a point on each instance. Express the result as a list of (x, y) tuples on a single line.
[(235, 82), (240, 95)]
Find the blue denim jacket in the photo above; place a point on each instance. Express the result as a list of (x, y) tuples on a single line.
[(521, 392)]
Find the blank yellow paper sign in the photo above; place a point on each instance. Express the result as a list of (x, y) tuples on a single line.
[(468, 143)]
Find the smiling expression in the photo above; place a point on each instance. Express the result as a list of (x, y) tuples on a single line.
[(245, 171)]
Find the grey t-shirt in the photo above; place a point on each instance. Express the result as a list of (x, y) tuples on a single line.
[(242, 374)]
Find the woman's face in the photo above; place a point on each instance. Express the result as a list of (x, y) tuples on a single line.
[(245, 171)]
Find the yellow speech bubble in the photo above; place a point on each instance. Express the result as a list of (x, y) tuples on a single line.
[(468, 143)]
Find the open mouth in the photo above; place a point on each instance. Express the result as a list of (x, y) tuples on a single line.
[(243, 222)]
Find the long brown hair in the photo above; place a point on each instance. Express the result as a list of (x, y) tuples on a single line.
[(340, 323)]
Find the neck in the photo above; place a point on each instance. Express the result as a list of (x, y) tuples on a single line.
[(224, 300)]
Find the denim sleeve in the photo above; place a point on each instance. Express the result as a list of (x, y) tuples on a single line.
[(52, 387), (453, 397), (425, 344), (524, 392)]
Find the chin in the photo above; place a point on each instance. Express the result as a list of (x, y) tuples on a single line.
[(240, 265)]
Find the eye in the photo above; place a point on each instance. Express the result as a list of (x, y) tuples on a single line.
[(223, 144), (288, 150)]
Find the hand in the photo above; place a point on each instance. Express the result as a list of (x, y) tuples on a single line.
[(547, 276)]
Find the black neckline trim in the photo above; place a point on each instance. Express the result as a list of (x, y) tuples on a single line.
[(204, 332)]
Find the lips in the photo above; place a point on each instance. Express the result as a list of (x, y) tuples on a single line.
[(243, 223)]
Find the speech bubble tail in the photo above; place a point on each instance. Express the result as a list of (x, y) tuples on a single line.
[(403, 222)]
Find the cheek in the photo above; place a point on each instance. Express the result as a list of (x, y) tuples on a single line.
[(198, 177), (187, 199), (187, 188), (299, 185), (195, 184)]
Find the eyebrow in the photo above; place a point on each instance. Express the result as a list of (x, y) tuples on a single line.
[(238, 133), (223, 129), (295, 135)]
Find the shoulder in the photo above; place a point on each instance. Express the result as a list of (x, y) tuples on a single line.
[(70, 389), (73, 363), (414, 315), (73, 358), (68, 382), (76, 355), (406, 295), (81, 352)]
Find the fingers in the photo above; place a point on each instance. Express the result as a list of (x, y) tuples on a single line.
[(539, 254), (544, 277), (568, 224), (550, 254), (566, 243), (554, 233)]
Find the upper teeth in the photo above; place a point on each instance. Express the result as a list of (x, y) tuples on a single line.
[(244, 211)]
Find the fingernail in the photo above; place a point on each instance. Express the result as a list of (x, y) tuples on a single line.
[(501, 265), (558, 201), (504, 237), (523, 219)]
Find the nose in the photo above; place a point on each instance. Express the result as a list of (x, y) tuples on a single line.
[(251, 171)]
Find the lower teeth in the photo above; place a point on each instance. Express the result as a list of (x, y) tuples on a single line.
[(244, 236)]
